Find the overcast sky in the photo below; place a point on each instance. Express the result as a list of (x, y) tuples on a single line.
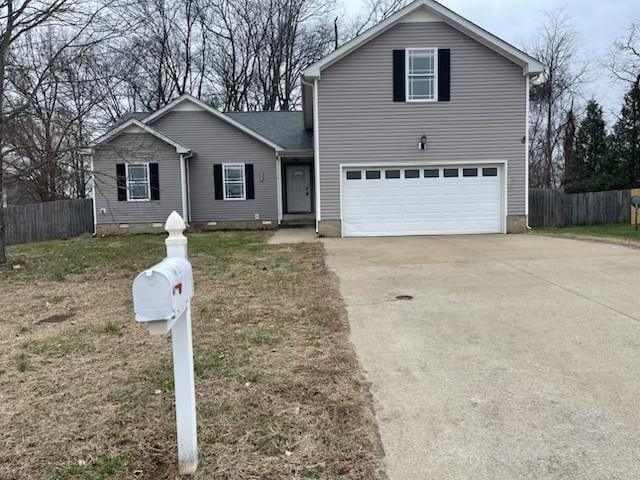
[(597, 22)]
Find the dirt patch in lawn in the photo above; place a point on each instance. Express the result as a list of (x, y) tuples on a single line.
[(278, 388)]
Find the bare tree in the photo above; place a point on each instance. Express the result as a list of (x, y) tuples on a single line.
[(59, 95), (295, 33), (230, 58), (569, 147), (375, 12), (625, 55), (160, 56), (552, 96), (18, 18)]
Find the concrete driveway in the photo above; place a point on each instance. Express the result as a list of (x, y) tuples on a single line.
[(518, 358)]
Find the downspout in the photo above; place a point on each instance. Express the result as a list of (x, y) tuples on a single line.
[(316, 150), (183, 182), (93, 196), (188, 183)]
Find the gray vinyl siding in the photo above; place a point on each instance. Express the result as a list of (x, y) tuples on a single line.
[(360, 123), (212, 141), (132, 148)]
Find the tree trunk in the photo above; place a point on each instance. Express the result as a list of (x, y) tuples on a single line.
[(3, 254), (548, 147)]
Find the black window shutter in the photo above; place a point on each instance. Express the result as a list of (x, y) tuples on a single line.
[(217, 181), (154, 181), (398, 76), (444, 74), (248, 180), (121, 181)]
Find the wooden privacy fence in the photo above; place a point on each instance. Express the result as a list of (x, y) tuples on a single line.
[(48, 221), (555, 208)]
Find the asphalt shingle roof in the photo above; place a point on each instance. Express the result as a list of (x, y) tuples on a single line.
[(284, 128)]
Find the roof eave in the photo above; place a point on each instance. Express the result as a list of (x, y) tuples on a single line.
[(533, 69), (296, 153)]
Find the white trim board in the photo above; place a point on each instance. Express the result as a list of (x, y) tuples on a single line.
[(177, 105), (316, 154), (279, 188), (526, 152), (426, 163), (530, 65)]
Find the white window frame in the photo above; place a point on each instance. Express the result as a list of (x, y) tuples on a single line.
[(137, 182), (407, 54), (236, 182)]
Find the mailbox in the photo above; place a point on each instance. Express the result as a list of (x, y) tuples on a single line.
[(161, 294)]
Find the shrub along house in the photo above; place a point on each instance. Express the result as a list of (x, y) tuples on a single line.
[(417, 126)]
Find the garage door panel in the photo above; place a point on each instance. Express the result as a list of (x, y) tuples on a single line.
[(424, 205)]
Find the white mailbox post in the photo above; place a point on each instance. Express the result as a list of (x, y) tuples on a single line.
[(162, 301)]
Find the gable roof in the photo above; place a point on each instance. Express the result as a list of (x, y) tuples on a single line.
[(133, 122), (286, 128), (216, 113), (530, 65)]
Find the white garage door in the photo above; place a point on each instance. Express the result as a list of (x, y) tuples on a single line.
[(421, 200)]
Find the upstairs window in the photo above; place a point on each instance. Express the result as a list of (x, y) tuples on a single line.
[(138, 182), (422, 73), (234, 181)]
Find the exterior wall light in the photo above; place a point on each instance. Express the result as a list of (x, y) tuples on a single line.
[(422, 145)]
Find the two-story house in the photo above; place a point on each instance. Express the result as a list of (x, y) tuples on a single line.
[(416, 127)]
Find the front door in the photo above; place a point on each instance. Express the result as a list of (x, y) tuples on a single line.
[(298, 188)]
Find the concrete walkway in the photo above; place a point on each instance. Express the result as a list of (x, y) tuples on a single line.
[(294, 235), (517, 359)]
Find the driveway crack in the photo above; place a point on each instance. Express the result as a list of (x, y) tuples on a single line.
[(566, 289)]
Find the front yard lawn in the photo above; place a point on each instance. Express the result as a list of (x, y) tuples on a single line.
[(87, 394), (618, 232)]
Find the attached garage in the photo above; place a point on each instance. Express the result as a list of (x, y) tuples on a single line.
[(423, 200)]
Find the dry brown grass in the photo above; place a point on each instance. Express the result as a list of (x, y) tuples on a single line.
[(278, 389)]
